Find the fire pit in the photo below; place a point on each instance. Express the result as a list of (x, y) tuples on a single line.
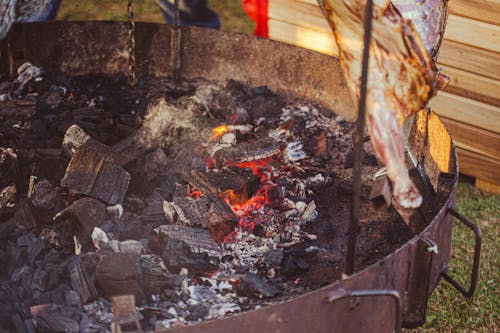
[(240, 173)]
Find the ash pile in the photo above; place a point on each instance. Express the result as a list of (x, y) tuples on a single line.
[(201, 200)]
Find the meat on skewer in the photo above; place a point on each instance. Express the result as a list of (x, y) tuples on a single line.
[(402, 78)]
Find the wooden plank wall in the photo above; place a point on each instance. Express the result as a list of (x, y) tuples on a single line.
[(470, 55)]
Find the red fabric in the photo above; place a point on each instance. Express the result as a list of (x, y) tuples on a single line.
[(257, 11)]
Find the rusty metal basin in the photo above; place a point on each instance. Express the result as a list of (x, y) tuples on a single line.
[(370, 300)]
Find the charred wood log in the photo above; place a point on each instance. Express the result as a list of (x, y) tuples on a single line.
[(75, 137), (156, 277), (119, 274), (77, 220), (248, 152), (54, 318), (46, 199), (208, 211), (236, 180), (90, 174), (185, 247), (81, 283)]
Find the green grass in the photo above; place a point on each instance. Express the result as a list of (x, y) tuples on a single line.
[(448, 310)]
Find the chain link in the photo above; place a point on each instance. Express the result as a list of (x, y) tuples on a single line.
[(131, 43)]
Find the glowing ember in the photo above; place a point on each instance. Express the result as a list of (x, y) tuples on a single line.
[(218, 132)]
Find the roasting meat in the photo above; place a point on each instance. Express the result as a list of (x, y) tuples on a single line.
[(12, 11), (402, 78)]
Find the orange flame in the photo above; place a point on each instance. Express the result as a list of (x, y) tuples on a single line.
[(218, 132)]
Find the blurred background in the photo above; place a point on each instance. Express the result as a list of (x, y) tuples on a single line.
[(231, 14)]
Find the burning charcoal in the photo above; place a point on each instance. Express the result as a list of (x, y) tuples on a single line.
[(252, 285), (185, 247), (119, 274), (89, 173), (156, 277), (236, 180), (248, 152), (46, 198), (81, 283), (78, 220), (55, 318), (209, 212)]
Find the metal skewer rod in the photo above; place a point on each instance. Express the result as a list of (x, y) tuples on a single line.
[(358, 145)]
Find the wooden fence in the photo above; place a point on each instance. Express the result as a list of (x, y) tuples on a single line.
[(470, 55)]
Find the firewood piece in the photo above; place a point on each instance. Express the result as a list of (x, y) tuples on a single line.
[(208, 212), (54, 318), (156, 277), (248, 152), (89, 173), (119, 274), (22, 219), (79, 219), (82, 284), (76, 137), (227, 179), (252, 285), (187, 247)]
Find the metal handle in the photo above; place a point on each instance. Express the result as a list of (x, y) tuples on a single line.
[(477, 253), (393, 294)]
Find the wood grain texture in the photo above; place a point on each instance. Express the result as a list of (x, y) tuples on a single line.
[(473, 138), (473, 86), (479, 166), (467, 111), (482, 10), (473, 33)]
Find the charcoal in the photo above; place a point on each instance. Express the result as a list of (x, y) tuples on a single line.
[(185, 247), (156, 277), (119, 274), (130, 246), (78, 219), (55, 318), (273, 258), (8, 196), (252, 285), (82, 284), (73, 299), (22, 219), (40, 278), (46, 198), (90, 174), (134, 203), (237, 180), (8, 166)]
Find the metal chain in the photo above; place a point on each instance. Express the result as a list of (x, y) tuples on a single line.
[(131, 43)]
